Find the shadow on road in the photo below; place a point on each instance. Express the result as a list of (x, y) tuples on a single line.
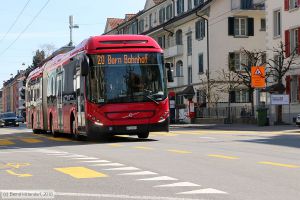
[(279, 140), (16, 140)]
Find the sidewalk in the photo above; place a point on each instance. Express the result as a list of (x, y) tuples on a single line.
[(237, 127)]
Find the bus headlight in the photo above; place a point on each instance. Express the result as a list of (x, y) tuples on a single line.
[(98, 123), (163, 117)]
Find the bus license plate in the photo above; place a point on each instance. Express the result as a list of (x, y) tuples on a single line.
[(130, 128)]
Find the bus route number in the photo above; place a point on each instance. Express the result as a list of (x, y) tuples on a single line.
[(101, 59)]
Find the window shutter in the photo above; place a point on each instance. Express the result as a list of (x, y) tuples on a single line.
[(203, 29), (287, 5), (298, 88), (250, 26), (287, 44), (299, 35), (231, 65), (231, 26), (201, 63), (288, 85), (198, 30)]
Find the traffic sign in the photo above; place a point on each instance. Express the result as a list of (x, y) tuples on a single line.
[(258, 78)]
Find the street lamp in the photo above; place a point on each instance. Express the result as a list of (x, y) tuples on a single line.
[(71, 26)]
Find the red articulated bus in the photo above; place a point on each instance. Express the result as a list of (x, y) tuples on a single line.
[(107, 85)]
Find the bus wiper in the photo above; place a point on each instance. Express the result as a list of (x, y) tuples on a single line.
[(150, 95)]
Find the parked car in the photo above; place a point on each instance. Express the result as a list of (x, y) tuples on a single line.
[(8, 119), (20, 119), (298, 120)]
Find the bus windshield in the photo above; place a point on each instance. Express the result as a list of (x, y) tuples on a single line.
[(124, 78)]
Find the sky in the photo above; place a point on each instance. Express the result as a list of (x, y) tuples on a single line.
[(28, 25)]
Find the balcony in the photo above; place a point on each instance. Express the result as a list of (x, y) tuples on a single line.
[(247, 4), (174, 51)]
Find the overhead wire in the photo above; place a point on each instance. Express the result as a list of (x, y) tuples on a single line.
[(25, 29), (15, 21)]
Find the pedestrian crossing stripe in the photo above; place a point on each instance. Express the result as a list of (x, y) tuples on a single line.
[(6, 142)]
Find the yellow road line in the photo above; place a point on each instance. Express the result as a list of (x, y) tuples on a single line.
[(164, 134), (115, 145), (143, 147), (59, 139), (31, 140), (179, 151), (18, 175), (223, 156), (278, 164), (80, 172), (6, 142)]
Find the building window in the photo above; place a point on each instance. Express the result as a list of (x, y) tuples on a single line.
[(190, 75), (162, 15), (169, 12), (134, 28), (240, 26), (180, 7), (198, 2), (141, 26), (294, 88), (263, 24), (162, 41), (293, 4), (179, 37), (200, 63), (200, 29), (241, 96), (237, 61), (150, 21), (277, 23), (179, 69), (179, 100), (201, 96), (294, 35), (190, 6), (189, 44)]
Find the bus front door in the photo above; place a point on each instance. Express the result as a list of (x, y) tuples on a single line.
[(79, 86), (59, 100)]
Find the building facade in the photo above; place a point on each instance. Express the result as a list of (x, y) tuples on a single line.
[(283, 25), (203, 39)]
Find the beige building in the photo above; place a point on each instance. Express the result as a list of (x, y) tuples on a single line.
[(283, 24), (200, 38)]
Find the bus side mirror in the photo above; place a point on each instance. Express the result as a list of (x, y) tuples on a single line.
[(169, 66), (84, 67)]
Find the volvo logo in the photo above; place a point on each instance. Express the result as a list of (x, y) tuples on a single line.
[(130, 115)]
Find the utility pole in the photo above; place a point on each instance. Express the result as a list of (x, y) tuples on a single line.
[(71, 26)]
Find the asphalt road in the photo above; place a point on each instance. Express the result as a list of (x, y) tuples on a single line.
[(187, 163)]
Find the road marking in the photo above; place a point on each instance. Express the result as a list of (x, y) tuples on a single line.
[(31, 140), (204, 191), (179, 184), (138, 173), (170, 134), (85, 158), (6, 142), (109, 164), (115, 145), (179, 151), (223, 156), (279, 164), (159, 178), (96, 161), (80, 172), (18, 175), (143, 148), (209, 138), (59, 139), (122, 169), (120, 196), (72, 156)]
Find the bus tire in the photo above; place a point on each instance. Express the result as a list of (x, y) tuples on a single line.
[(74, 131), (143, 135), (35, 131)]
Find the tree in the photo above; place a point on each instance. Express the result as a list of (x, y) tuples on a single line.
[(48, 49), (38, 58), (253, 58), (277, 68), (229, 81)]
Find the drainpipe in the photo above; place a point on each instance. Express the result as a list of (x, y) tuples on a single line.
[(207, 40)]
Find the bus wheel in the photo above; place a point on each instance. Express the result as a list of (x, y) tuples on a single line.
[(35, 131), (143, 135)]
